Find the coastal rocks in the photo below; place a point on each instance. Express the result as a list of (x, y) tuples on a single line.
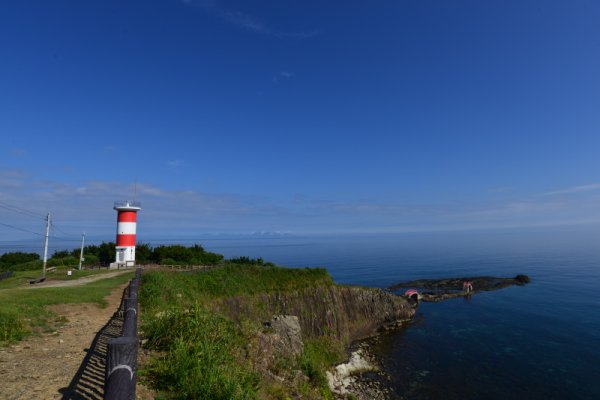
[(442, 289), (348, 313), (280, 340), (340, 379), (287, 328), (347, 380)]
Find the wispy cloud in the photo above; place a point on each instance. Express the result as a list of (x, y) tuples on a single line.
[(12, 179), (18, 152), (500, 189), (249, 22), (175, 163), (282, 75), (87, 206), (575, 189)]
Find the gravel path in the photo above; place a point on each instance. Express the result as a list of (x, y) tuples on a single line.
[(76, 282), (42, 367)]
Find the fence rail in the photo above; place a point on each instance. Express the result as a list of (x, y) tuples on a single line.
[(121, 358), (179, 267), (5, 275)]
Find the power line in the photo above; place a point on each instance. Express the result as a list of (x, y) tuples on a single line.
[(53, 236), (21, 229), (53, 226), (20, 210)]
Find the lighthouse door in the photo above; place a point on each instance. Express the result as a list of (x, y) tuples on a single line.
[(120, 255)]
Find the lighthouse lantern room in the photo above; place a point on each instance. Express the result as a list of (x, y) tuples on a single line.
[(126, 230)]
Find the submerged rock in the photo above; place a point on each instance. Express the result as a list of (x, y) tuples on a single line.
[(442, 289)]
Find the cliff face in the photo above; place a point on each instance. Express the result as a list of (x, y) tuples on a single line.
[(348, 313)]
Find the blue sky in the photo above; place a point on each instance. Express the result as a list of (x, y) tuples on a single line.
[(300, 116)]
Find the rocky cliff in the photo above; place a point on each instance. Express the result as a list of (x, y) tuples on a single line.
[(348, 313)]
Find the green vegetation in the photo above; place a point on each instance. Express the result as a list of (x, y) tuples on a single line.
[(319, 354), (203, 360), (93, 255), (18, 261), (23, 311), (177, 255), (162, 288), (201, 353), (22, 278), (104, 254)]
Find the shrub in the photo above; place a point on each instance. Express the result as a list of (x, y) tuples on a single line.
[(67, 261), (28, 266), (89, 259), (10, 260), (247, 261)]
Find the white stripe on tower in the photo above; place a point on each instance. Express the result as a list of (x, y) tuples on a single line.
[(126, 228)]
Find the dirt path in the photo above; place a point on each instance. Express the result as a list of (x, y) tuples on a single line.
[(39, 367), (76, 282)]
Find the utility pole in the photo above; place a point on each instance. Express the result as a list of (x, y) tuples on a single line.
[(81, 252), (46, 243)]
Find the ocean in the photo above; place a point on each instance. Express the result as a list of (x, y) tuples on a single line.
[(539, 341)]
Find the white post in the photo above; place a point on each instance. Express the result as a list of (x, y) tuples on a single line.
[(81, 252), (46, 244)]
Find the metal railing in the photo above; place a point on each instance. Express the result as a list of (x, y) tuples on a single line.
[(121, 357), (127, 203)]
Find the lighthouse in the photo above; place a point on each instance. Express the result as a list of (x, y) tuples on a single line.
[(126, 227)]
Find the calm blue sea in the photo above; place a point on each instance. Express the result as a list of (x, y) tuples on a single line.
[(541, 341)]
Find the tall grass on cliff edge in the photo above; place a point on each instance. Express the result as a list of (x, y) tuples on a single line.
[(167, 288), (201, 358)]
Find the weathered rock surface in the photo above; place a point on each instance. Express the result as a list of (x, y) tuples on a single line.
[(342, 377), (280, 340), (349, 313), (287, 328)]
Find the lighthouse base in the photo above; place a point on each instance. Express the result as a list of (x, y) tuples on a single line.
[(121, 265), (125, 257)]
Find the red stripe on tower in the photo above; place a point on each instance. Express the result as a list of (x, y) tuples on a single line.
[(126, 240), (127, 216)]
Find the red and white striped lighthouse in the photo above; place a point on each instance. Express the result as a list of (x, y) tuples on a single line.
[(126, 227)]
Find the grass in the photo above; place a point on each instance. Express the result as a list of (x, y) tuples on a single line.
[(160, 288), (22, 278), (202, 359), (203, 354), (23, 311), (319, 354)]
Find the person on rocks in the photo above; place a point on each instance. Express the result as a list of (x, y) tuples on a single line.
[(468, 286)]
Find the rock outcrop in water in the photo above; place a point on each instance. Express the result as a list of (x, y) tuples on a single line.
[(442, 289)]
